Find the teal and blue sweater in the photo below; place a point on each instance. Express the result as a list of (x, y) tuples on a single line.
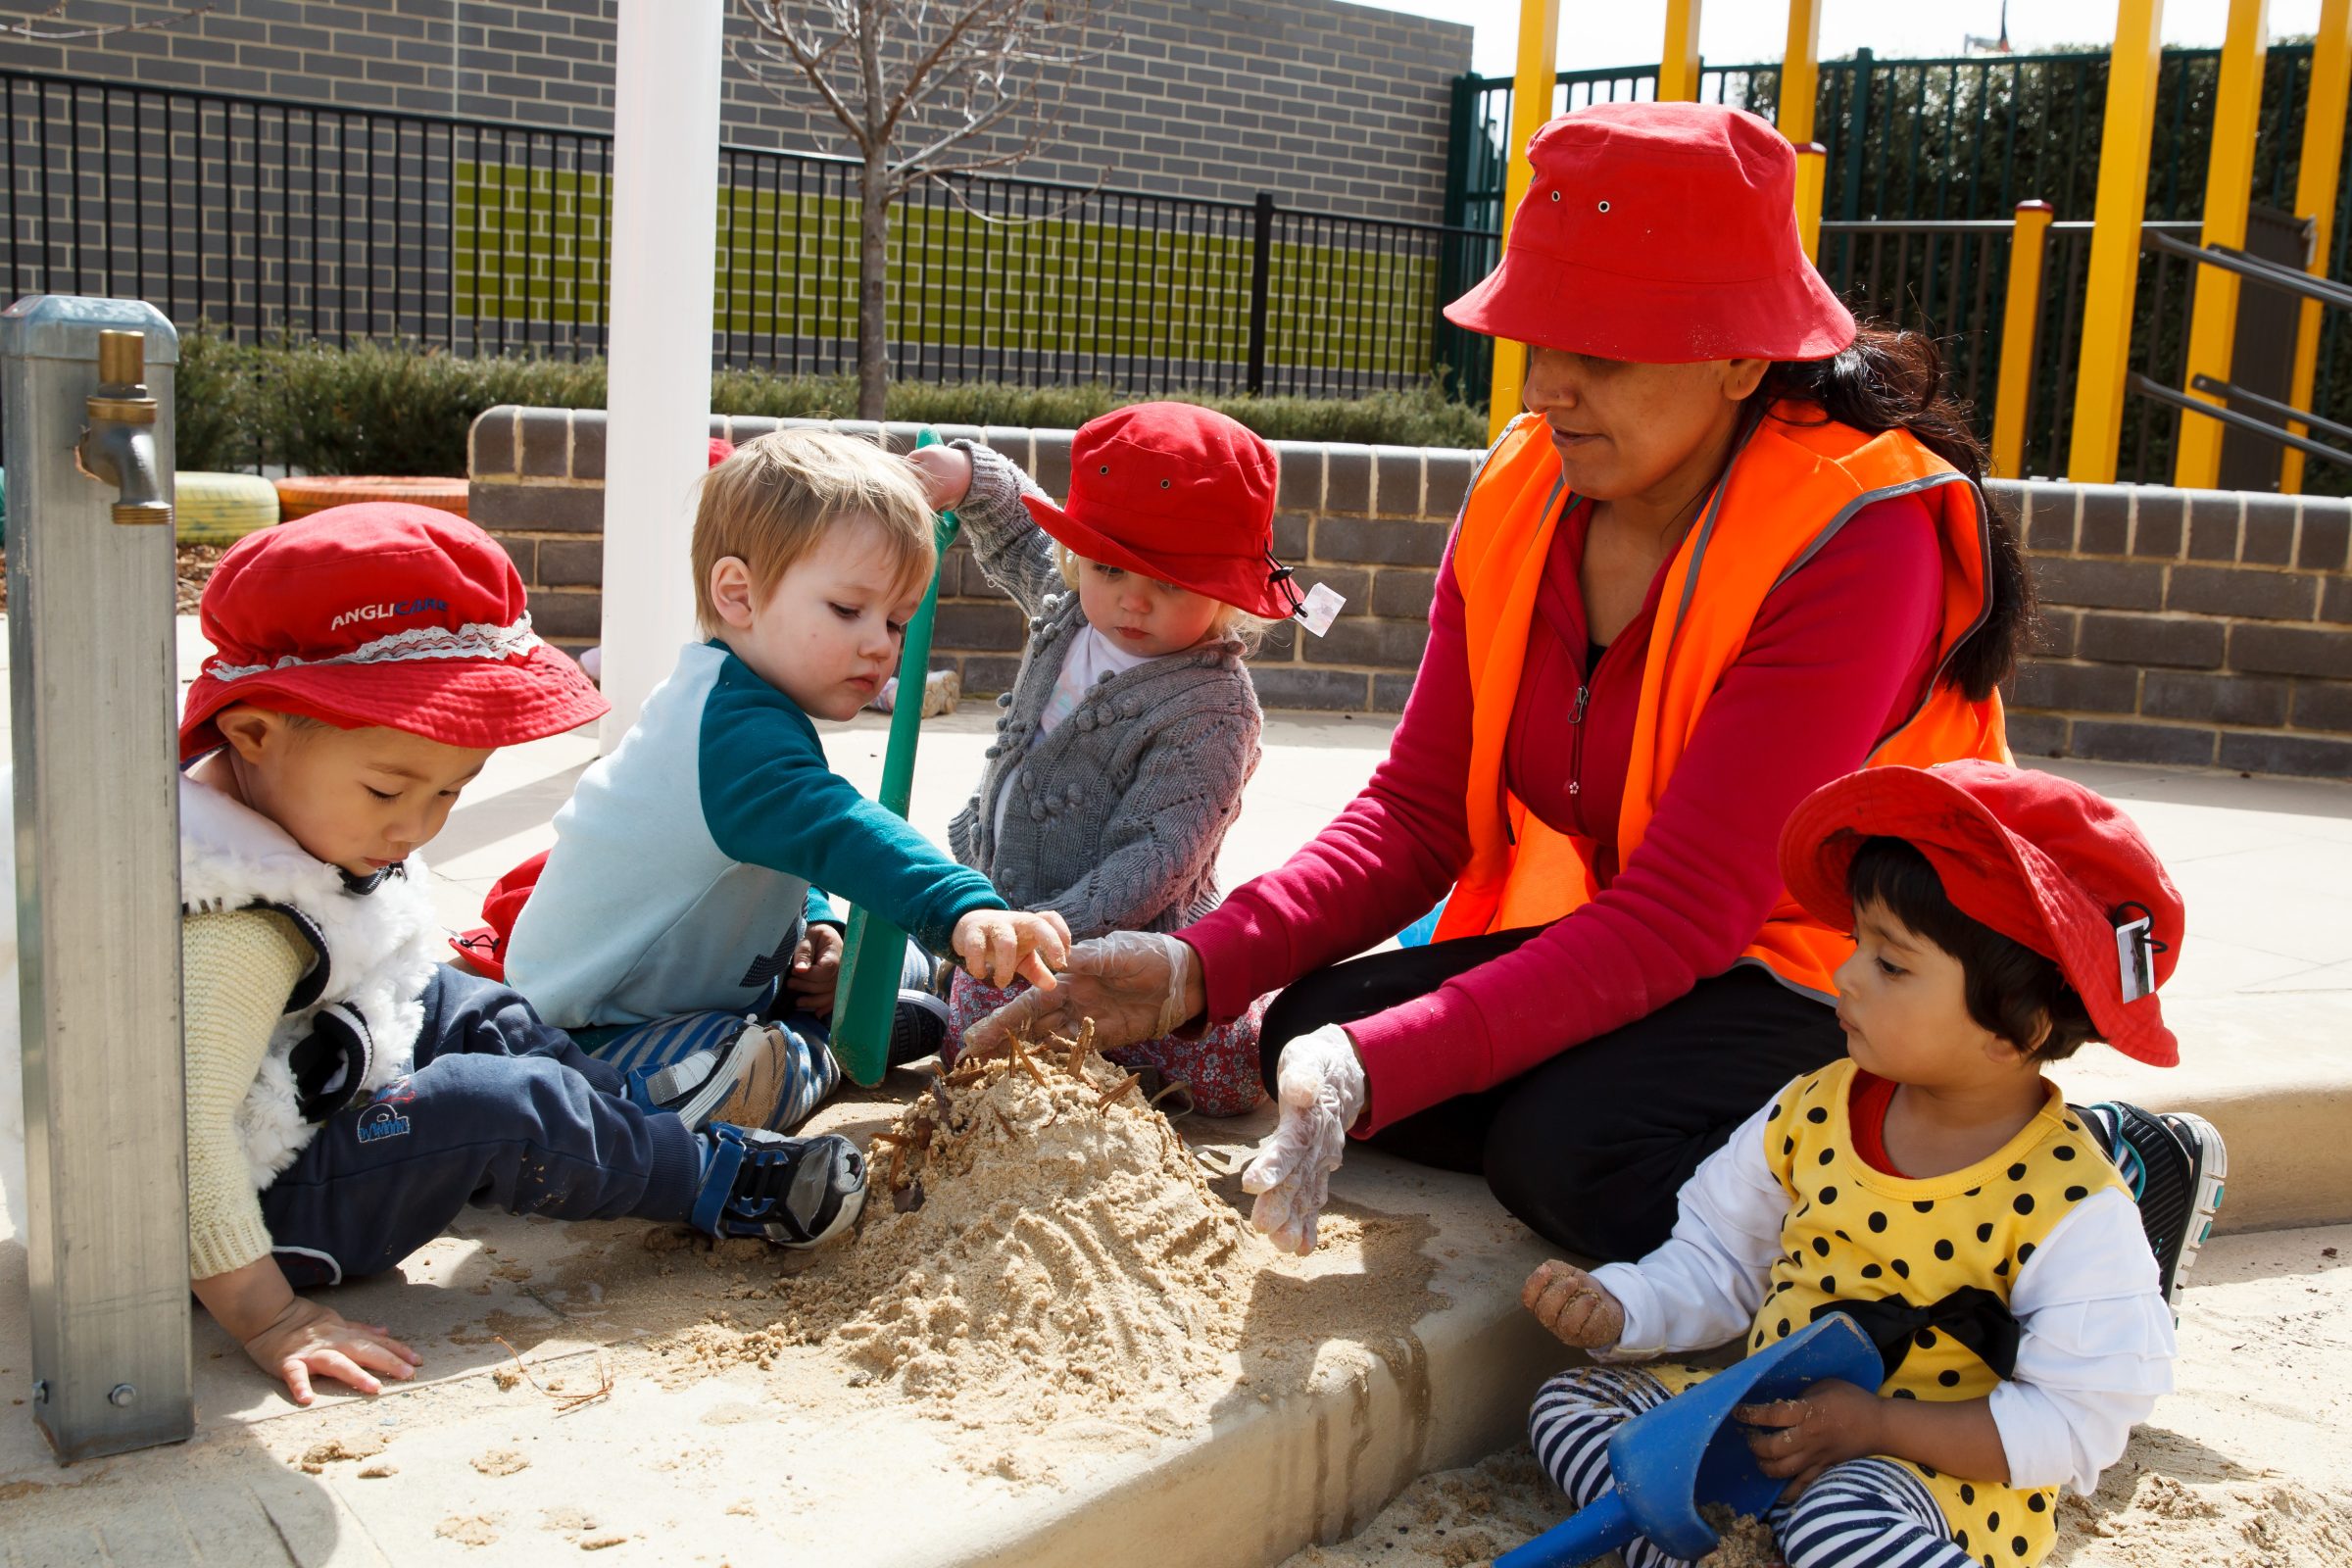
[(688, 863)]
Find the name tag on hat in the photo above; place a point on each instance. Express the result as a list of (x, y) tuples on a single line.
[(2135, 957), (1319, 609)]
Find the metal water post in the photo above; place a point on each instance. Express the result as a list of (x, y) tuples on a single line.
[(92, 692)]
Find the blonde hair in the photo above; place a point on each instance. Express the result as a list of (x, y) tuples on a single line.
[(1232, 621), (770, 501)]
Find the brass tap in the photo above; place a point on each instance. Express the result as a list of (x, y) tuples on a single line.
[(117, 446)]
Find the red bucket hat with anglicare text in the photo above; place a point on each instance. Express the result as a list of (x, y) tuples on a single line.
[(385, 613), (1662, 235), (2039, 859), (1180, 492)]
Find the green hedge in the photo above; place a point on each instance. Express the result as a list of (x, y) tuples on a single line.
[(379, 409)]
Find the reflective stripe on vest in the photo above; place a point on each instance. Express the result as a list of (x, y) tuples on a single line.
[(1793, 484)]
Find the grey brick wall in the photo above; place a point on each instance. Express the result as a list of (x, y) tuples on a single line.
[(2186, 628), (2192, 627), (1328, 106)]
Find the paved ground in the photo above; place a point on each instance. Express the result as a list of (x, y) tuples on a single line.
[(671, 1469)]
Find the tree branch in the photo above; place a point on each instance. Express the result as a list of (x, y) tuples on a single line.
[(769, 18)]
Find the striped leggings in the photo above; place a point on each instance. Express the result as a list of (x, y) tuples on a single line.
[(1864, 1513)]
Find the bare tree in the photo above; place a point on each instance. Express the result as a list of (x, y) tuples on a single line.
[(30, 27), (923, 90)]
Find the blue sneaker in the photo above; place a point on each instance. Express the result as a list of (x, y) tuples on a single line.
[(2177, 1168), (793, 1192)]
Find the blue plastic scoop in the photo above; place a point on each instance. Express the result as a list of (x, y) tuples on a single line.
[(1669, 1461)]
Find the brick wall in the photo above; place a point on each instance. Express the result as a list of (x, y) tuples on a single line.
[(2197, 628), (1371, 522), (1327, 105), (2194, 629)]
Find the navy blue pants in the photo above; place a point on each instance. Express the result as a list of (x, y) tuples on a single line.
[(500, 1111)]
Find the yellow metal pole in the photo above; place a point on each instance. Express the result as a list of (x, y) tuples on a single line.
[(2113, 278), (1812, 164), (2315, 194), (1678, 66), (2020, 325), (1538, 71), (1800, 72), (2229, 187)]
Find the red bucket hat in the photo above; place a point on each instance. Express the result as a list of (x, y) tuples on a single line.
[(1659, 233), (1180, 492), (381, 613), (2039, 859)]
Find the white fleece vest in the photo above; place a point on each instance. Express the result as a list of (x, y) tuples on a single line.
[(380, 953)]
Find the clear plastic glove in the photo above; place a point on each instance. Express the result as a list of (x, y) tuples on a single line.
[(1135, 985), (1320, 1090)]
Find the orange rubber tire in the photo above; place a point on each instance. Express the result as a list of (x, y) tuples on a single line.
[(299, 497)]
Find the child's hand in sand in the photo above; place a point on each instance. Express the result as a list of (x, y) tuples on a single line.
[(308, 1340), (997, 945), (1800, 1438), (946, 473), (1577, 1307)]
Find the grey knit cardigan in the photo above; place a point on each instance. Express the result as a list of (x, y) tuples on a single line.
[(1117, 814)]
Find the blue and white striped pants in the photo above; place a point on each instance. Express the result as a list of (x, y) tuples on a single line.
[(1864, 1513), (811, 1075), (810, 1079)]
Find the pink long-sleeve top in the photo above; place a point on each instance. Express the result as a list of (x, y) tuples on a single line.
[(1838, 656)]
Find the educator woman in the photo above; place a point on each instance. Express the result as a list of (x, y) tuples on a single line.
[(1734, 549)]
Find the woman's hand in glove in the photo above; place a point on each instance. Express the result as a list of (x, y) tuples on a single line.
[(1320, 1090), (1135, 985)]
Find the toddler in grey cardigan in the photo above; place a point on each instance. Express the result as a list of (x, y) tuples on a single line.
[(1132, 725)]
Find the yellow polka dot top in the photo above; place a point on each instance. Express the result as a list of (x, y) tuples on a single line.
[(1854, 1233)]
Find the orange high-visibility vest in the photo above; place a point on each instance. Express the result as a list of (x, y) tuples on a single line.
[(1794, 483)]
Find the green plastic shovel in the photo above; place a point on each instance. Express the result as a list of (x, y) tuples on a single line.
[(867, 998)]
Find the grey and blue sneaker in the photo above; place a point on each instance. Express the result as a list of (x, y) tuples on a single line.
[(793, 1192), (715, 1056), (2177, 1168)]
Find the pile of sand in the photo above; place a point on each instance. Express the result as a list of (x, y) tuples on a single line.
[(1037, 1243)]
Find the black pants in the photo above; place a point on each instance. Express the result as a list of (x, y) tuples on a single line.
[(1589, 1148)]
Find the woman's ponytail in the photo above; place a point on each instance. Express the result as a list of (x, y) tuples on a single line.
[(1891, 379)]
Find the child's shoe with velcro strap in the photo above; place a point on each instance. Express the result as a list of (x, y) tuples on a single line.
[(793, 1192)]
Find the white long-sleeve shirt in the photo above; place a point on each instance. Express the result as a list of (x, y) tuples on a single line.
[(2097, 1344)]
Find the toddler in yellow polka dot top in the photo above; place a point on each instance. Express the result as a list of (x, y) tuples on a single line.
[(1933, 1186)]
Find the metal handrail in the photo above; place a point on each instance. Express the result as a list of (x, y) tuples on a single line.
[(2268, 273), (2232, 392), (2147, 386)]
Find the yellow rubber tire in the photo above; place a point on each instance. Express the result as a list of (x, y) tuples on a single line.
[(221, 508), (299, 497)]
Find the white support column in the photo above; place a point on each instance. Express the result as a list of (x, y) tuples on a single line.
[(664, 248)]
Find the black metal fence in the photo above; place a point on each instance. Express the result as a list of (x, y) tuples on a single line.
[(270, 218), (1938, 139), (1927, 160)]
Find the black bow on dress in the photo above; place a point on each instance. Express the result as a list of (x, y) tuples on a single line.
[(1975, 1316)]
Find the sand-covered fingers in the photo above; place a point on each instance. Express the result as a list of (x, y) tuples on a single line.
[(997, 945), (1577, 1309)]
